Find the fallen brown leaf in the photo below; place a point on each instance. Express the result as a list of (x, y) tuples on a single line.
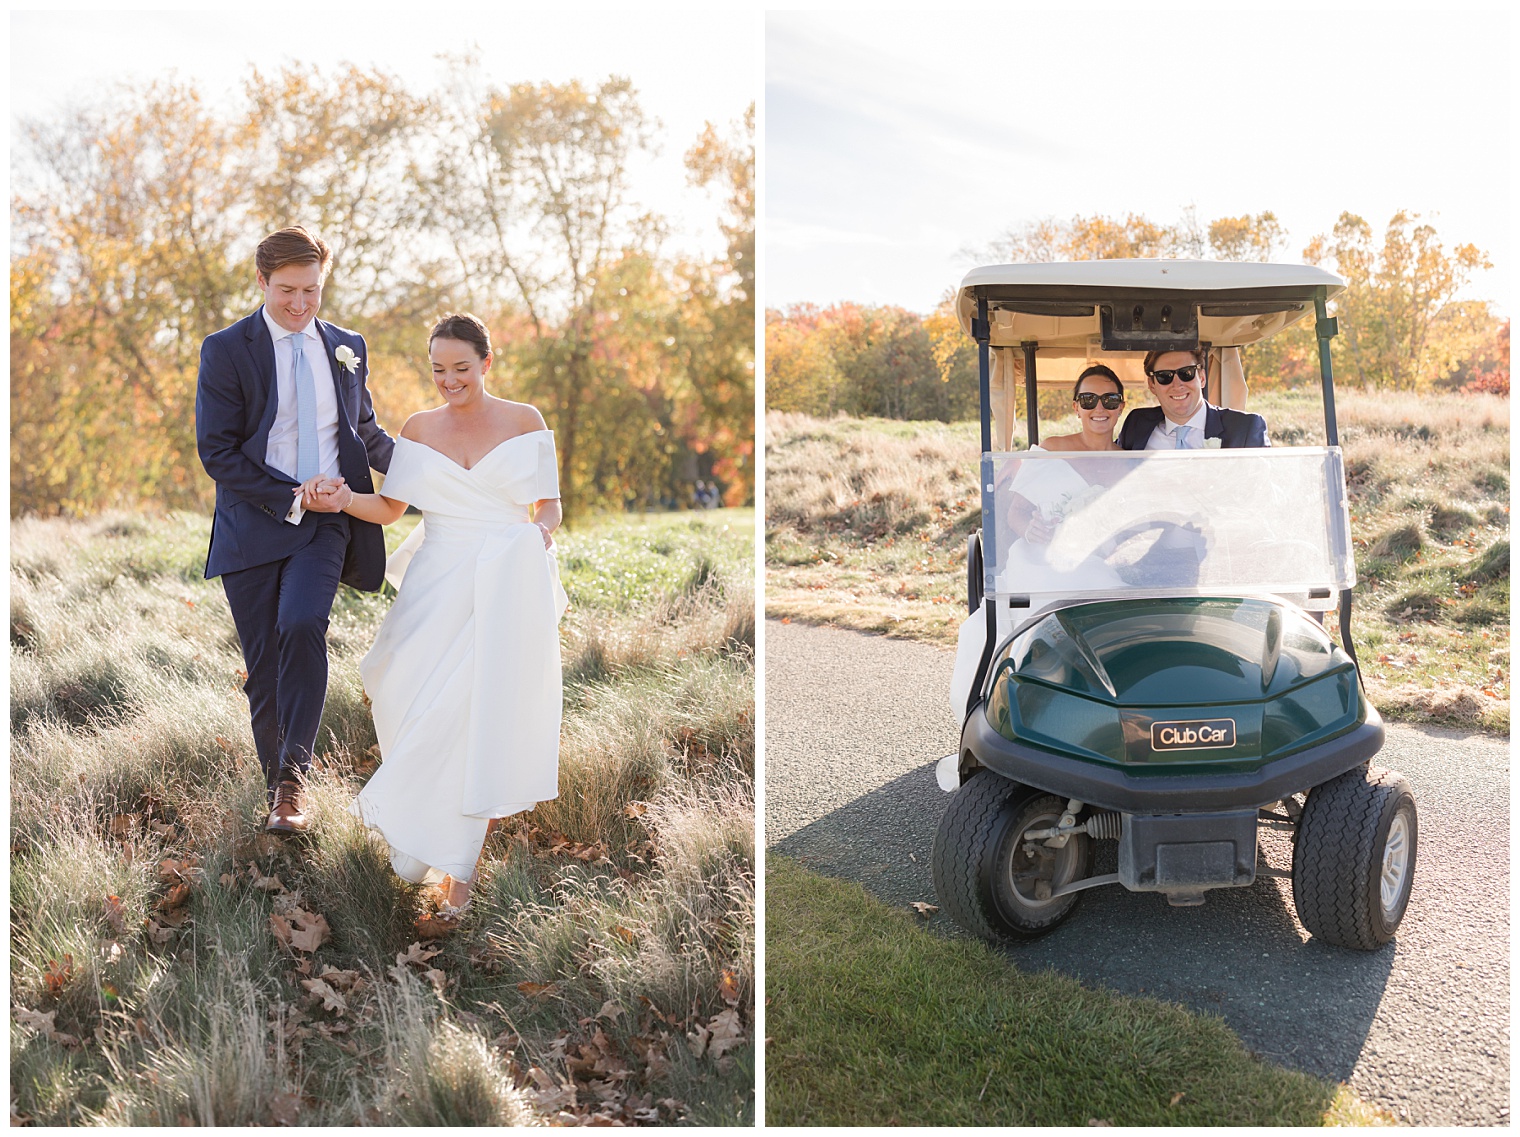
[(175, 897), (728, 985), (348, 981), (416, 955), (268, 883), (1178, 1096), (311, 934), (57, 975), (116, 914), (331, 1000), (157, 934), (172, 869), (432, 927), (923, 909), (727, 1032), (624, 934), (40, 1021), (610, 1011), (534, 990)]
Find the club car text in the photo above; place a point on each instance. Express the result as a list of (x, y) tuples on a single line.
[(1204, 734)]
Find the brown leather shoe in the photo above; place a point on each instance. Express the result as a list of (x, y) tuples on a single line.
[(289, 812)]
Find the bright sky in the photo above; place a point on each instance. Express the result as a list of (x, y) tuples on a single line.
[(893, 143), (688, 69)]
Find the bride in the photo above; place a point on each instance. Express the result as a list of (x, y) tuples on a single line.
[(464, 674)]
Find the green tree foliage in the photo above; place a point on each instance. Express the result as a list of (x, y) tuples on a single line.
[(135, 225)]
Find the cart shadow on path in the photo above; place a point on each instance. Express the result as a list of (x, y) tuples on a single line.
[(1242, 955)]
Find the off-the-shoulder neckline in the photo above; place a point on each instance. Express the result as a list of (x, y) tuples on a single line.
[(482, 458)]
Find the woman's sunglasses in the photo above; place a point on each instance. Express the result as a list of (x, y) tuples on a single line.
[(1087, 400), (1186, 374)]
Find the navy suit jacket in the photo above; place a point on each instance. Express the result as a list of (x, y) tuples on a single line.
[(1232, 428), (235, 405)]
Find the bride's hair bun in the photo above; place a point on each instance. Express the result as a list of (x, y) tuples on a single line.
[(463, 326)]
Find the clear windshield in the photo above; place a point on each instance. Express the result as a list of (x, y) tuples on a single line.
[(1163, 523)]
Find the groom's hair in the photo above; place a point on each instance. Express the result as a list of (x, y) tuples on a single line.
[(463, 326), (292, 246)]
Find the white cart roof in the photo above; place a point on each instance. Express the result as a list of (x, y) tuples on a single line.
[(1238, 302)]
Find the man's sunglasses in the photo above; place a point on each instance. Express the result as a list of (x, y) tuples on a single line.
[(1087, 400), (1186, 374)]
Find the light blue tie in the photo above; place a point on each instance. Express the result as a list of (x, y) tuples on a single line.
[(306, 411), (1182, 433)]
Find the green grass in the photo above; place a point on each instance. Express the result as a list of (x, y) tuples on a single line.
[(867, 522), (874, 1021), (131, 745)]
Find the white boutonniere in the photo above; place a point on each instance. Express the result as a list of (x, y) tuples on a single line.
[(1212, 443), (347, 359)]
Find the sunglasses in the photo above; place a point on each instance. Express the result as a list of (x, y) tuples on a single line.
[(1087, 400), (1186, 374)]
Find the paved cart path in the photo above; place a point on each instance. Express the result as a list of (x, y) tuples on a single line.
[(854, 723)]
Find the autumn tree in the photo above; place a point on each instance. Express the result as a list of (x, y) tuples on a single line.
[(713, 332), (135, 224), (1401, 325), (128, 217)]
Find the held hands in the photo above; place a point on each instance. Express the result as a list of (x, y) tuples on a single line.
[(1040, 529), (325, 495)]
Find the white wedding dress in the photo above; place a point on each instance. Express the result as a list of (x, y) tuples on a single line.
[(464, 675)]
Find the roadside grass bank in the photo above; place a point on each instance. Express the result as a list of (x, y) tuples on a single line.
[(867, 519), (171, 964), (874, 1021)]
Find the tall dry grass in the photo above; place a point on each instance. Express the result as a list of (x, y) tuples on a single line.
[(148, 983)]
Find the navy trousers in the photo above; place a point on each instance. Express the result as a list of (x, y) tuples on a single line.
[(281, 611)]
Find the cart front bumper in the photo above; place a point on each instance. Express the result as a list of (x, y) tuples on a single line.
[(1135, 791)]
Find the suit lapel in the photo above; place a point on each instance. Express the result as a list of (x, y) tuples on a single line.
[(330, 342), (261, 348), (1213, 422)]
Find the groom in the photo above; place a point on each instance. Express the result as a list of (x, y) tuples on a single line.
[(281, 399), (1183, 421)]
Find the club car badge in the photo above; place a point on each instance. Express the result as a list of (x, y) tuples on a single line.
[(1195, 734)]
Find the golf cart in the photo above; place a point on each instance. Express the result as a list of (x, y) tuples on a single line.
[(1150, 666)]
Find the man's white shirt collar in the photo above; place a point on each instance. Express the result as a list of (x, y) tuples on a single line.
[(1169, 428), (278, 333)]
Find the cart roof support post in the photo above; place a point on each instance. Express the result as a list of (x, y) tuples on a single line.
[(982, 332), (1031, 395), (1325, 327)]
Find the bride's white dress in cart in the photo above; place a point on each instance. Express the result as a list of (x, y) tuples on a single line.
[(464, 675)]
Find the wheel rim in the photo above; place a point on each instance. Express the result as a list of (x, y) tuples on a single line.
[(1395, 871), (1024, 871)]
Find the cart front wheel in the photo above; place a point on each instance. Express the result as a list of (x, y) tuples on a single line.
[(1354, 857), (990, 880)]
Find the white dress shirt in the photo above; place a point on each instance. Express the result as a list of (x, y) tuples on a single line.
[(1164, 437), (280, 453)]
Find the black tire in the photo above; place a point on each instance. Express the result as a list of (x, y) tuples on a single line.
[(977, 854), (974, 572), (1342, 852)]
